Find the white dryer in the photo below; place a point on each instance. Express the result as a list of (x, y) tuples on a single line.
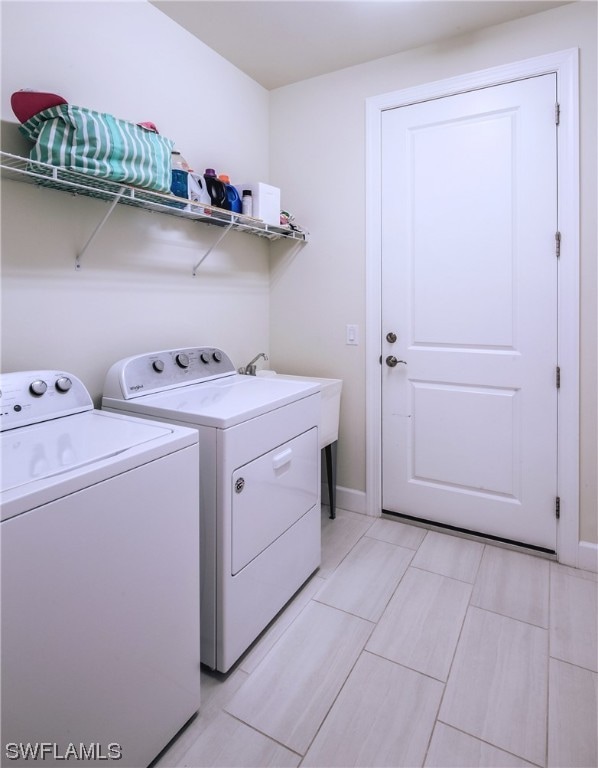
[(100, 577), (260, 482)]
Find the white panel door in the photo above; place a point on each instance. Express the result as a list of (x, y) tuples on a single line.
[(469, 287)]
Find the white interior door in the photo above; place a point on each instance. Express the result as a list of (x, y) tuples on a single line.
[(469, 287)]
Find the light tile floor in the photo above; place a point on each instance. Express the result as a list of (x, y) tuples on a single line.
[(411, 648)]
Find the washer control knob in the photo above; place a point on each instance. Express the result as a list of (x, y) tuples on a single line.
[(38, 387), (204, 357), (182, 360), (217, 356), (158, 366), (63, 384)]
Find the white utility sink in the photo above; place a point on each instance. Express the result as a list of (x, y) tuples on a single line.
[(330, 398)]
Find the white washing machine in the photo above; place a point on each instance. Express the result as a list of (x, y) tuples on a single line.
[(100, 577), (260, 482)]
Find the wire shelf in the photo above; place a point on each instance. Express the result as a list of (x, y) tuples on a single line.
[(60, 178)]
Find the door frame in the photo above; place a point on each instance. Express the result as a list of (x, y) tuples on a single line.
[(566, 66)]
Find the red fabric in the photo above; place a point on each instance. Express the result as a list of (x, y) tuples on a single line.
[(25, 104)]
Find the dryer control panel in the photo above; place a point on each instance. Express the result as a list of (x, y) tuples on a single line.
[(157, 371), (28, 397)]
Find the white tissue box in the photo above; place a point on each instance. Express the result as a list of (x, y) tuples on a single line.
[(266, 201)]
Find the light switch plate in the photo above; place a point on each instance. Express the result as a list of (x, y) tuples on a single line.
[(352, 335)]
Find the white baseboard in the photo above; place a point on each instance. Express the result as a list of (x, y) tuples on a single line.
[(355, 501), (347, 498), (587, 557)]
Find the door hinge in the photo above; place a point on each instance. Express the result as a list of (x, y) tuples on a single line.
[(558, 377), (557, 244), (557, 507), (557, 113)]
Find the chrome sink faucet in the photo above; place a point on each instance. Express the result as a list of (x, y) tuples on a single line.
[(250, 368)]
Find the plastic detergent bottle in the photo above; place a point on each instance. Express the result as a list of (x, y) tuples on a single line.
[(179, 181), (247, 203), (233, 201), (216, 189), (198, 192)]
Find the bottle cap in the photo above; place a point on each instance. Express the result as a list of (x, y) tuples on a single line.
[(247, 192), (223, 177), (210, 172)]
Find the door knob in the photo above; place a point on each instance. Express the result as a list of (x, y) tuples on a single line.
[(391, 361), (391, 337)]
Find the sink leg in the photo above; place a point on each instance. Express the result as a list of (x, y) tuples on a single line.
[(330, 453)]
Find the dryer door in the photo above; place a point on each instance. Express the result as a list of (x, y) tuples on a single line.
[(270, 493)]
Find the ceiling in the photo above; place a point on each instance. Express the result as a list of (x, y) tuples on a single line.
[(278, 42)]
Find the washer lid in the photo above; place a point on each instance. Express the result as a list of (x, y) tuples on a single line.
[(221, 402), (33, 453)]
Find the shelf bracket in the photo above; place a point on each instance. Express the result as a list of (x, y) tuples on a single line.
[(211, 248), (113, 205)]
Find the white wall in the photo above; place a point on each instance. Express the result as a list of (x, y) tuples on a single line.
[(318, 158), (135, 291)]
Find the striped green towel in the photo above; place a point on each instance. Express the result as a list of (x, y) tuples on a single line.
[(100, 145)]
